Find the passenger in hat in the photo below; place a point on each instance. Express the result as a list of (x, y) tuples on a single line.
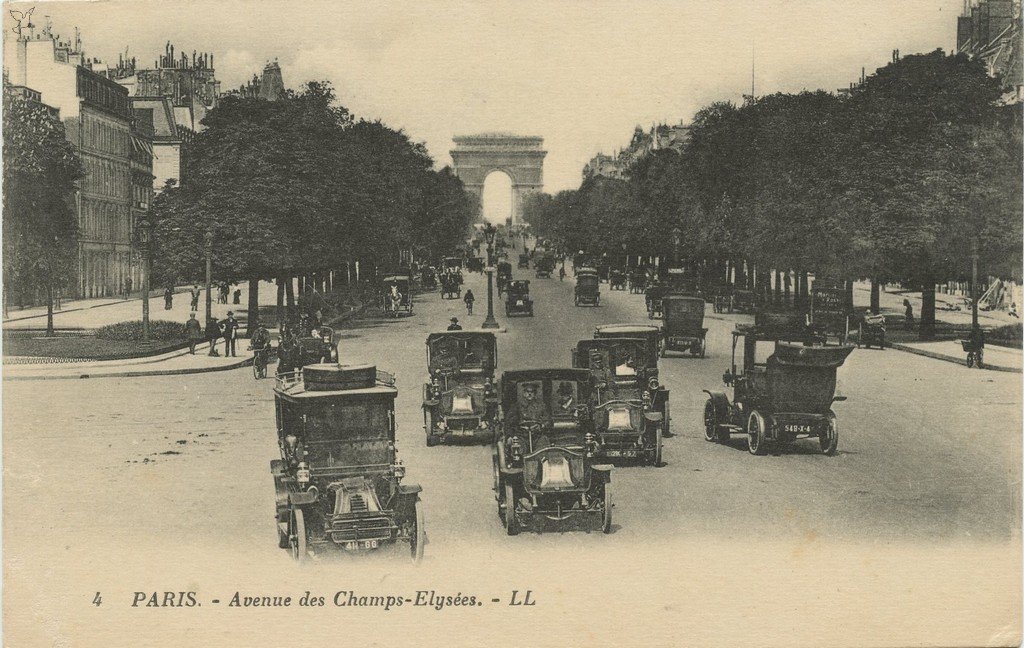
[(454, 326)]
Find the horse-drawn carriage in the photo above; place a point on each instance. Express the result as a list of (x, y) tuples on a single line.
[(338, 483), (787, 396), (428, 278), (544, 464), (616, 279), (450, 286), (460, 401), (475, 264), (587, 291), (637, 281), (504, 275), (683, 325), (653, 295), (396, 295)]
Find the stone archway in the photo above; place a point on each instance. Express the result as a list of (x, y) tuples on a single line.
[(520, 158)]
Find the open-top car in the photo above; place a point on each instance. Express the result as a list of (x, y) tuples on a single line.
[(396, 295), (338, 482), (651, 337), (587, 291), (683, 325), (319, 345), (786, 396), (517, 298), (544, 265), (460, 401), (626, 424), (544, 465), (871, 331)]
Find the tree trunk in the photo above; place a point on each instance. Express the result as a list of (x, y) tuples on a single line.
[(290, 295), (927, 330), (849, 294), (778, 287), (254, 306), (875, 296), (801, 297), (280, 303), (49, 310)]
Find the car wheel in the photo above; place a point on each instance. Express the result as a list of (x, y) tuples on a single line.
[(656, 455), (756, 442), (511, 522), (829, 439), (282, 529), (606, 518), (703, 347), (710, 421), (297, 535), (417, 537)]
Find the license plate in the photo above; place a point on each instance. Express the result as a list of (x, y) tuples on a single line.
[(620, 453), (362, 544), (797, 428)]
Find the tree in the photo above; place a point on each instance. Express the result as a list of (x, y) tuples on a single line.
[(40, 227)]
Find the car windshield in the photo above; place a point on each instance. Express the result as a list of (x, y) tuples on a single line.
[(452, 353), (684, 309)]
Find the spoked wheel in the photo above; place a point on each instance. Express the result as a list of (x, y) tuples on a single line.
[(297, 536), (829, 439), (756, 442), (710, 421), (496, 466), (970, 359), (656, 455), (979, 358), (606, 517), (703, 347), (417, 537), (511, 522)]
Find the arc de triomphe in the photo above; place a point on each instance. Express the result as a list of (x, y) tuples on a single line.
[(520, 157)]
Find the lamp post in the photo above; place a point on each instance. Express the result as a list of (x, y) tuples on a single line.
[(677, 238), (144, 239), (209, 272), (974, 286), (489, 321)]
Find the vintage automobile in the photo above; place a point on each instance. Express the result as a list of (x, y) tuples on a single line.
[(626, 425), (871, 331), (743, 301), (338, 483), (722, 300), (637, 281), (651, 337), (396, 295), (503, 276), (543, 458), (679, 282), (653, 295), (616, 279), (587, 291), (450, 288), (320, 345), (788, 396), (544, 265), (524, 261), (517, 298), (460, 401), (475, 264), (428, 278), (683, 325), (451, 264)]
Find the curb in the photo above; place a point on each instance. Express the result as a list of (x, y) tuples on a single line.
[(940, 356), (135, 374)]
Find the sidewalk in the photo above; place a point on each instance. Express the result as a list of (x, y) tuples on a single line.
[(174, 362), (996, 358)]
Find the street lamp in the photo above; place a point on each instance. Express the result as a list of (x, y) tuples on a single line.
[(489, 321), (677, 238)]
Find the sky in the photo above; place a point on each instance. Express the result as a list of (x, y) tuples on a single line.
[(581, 75)]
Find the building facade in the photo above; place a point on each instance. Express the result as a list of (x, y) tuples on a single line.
[(991, 30), (659, 137), (98, 121)]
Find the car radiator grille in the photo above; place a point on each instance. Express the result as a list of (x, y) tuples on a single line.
[(347, 528)]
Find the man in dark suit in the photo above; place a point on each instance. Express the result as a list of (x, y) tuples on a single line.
[(230, 326)]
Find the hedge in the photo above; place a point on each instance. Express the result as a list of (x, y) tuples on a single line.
[(132, 330)]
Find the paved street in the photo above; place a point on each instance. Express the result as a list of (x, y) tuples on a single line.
[(166, 479)]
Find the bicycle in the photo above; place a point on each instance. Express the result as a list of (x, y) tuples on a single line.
[(975, 353), (259, 362)]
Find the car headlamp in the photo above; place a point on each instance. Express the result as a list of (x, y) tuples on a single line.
[(652, 384)]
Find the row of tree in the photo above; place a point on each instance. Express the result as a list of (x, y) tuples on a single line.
[(902, 180), (299, 187)]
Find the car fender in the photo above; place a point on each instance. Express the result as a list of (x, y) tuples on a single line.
[(301, 498), (653, 417), (409, 489), (721, 403), (602, 472)]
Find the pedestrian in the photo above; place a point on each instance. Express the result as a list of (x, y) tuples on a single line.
[(238, 296), (454, 326), (230, 327), (193, 332), (212, 335), (168, 298), (908, 313), (195, 297), (1013, 310), (469, 299), (561, 273), (127, 287)]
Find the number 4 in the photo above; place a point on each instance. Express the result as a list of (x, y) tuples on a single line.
[(97, 600)]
